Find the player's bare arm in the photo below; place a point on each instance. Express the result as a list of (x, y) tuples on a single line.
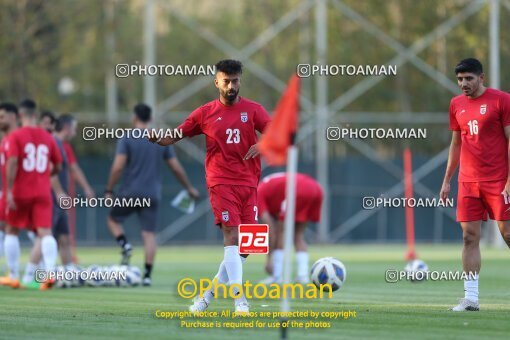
[(506, 190), (118, 165), (57, 187), (10, 173), (79, 176), (163, 141), (180, 174), (453, 163)]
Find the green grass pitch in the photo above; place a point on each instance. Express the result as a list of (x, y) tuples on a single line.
[(400, 310)]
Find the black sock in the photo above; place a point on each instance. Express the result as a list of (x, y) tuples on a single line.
[(148, 270), (121, 240)]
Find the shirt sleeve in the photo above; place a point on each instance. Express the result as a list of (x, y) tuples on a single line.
[(454, 125), (504, 107), (68, 149), (122, 147), (55, 156), (12, 147), (168, 152), (192, 126), (262, 118)]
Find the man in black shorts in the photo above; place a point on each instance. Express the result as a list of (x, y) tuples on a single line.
[(139, 162)]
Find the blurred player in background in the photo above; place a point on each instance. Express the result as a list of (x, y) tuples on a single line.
[(140, 162), (65, 130), (32, 156), (232, 167), (480, 124), (271, 204), (8, 123), (47, 121)]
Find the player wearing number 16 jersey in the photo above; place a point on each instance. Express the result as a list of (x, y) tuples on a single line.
[(480, 124), (232, 166), (32, 155)]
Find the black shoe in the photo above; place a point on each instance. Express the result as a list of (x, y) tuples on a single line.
[(126, 254), (147, 282)]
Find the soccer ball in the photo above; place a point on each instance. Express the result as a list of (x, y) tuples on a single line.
[(134, 276), (328, 270), (77, 280), (62, 283), (417, 266), (94, 279)]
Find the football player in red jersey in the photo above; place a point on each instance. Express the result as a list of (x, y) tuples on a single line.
[(32, 156), (230, 124), (480, 124), (8, 123), (271, 204)]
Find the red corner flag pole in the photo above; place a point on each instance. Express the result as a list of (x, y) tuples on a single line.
[(278, 147), (408, 184)]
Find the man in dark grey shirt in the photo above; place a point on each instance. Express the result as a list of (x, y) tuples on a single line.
[(139, 162)]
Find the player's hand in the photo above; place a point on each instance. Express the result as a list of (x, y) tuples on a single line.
[(193, 193), (89, 193), (108, 194), (252, 152), (11, 205), (445, 191), (153, 136), (61, 194), (506, 191)]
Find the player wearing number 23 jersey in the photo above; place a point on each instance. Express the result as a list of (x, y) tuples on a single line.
[(35, 150), (230, 131)]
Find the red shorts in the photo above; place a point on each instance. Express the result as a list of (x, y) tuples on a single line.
[(308, 205), (476, 199), (233, 204), (31, 213)]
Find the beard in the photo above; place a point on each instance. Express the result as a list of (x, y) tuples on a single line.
[(230, 95)]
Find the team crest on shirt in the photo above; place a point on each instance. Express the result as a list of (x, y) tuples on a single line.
[(244, 117), (483, 109), (224, 216)]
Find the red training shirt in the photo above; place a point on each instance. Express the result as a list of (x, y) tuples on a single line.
[(481, 122), (230, 131), (35, 149)]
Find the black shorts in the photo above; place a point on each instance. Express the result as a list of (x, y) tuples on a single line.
[(148, 216), (60, 225)]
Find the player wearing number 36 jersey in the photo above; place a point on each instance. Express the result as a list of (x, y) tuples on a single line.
[(32, 156), (232, 166), (480, 124)]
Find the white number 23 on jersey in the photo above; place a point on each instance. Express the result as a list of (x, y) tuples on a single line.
[(233, 136)]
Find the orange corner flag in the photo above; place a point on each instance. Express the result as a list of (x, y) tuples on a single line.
[(283, 126)]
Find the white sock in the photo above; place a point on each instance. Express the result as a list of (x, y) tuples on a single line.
[(49, 252), (221, 277), (12, 251), (471, 289), (234, 267), (278, 264), (29, 272), (2, 235), (302, 263)]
